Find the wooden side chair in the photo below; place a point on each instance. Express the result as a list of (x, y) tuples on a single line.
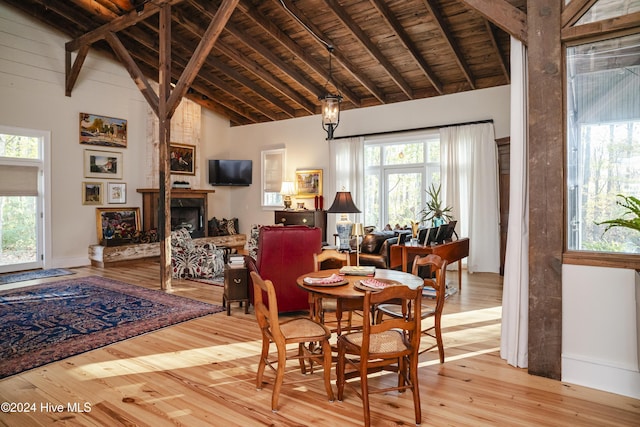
[(392, 344), (431, 308), (330, 305), (299, 331)]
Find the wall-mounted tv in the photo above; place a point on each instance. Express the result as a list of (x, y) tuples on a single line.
[(230, 172)]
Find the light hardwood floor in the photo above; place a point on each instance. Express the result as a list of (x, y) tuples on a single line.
[(202, 373)]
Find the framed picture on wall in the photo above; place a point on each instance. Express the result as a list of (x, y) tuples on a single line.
[(102, 164), (91, 193), (116, 192), (104, 131), (117, 223), (182, 158), (308, 183)]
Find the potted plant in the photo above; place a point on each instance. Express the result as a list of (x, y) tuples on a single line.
[(433, 210), (630, 218)]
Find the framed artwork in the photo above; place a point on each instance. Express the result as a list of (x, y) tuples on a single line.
[(117, 223), (102, 164), (91, 193), (308, 183), (104, 131), (182, 158), (116, 192)]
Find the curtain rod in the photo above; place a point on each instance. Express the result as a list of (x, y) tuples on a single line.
[(391, 132)]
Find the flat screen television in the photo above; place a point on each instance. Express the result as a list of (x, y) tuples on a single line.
[(230, 172)]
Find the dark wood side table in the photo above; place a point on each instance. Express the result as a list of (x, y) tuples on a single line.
[(236, 288), (303, 217)]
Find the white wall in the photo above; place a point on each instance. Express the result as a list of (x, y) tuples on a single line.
[(599, 328), (304, 138)]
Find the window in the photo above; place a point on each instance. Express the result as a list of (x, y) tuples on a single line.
[(397, 172), (273, 166), (603, 141), (20, 204)]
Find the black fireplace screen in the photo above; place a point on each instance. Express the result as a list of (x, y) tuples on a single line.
[(189, 214)]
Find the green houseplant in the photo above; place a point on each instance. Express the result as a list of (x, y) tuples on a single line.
[(630, 218), (433, 209)]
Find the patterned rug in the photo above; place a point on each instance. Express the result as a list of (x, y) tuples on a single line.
[(31, 275), (49, 322), (214, 281)]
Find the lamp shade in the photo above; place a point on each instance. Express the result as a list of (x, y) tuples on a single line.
[(358, 229), (343, 203), (287, 189)]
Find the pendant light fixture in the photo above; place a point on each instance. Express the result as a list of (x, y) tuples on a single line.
[(330, 103)]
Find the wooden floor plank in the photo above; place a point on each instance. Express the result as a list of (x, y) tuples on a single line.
[(202, 373)]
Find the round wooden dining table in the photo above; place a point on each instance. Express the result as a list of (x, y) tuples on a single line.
[(348, 295)]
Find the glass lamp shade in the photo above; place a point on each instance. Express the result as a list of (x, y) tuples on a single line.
[(331, 110)]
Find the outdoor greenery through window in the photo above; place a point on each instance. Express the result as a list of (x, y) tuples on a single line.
[(20, 163), (603, 137), (398, 171)]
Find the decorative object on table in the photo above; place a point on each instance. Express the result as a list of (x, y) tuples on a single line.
[(182, 158), (286, 191), (343, 204), (104, 131), (108, 310), (92, 193), (415, 227), (301, 206), (433, 210), (117, 223), (116, 192), (308, 183), (361, 270), (102, 164), (180, 184), (629, 219), (357, 231), (330, 103)]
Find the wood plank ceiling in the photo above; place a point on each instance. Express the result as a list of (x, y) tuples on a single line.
[(269, 65)]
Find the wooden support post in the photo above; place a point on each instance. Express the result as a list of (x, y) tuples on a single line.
[(164, 218), (546, 187)]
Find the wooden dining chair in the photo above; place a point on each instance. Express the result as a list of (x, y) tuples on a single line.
[(432, 308), (302, 331), (330, 305), (391, 344)]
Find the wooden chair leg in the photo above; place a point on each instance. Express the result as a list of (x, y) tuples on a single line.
[(364, 386), (340, 366), (413, 375), (326, 352), (263, 362), (277, 384)]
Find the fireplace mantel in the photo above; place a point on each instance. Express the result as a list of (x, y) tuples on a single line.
[(150, 201)]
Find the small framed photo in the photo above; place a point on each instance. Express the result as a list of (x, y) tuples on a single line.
[(102, 164), (117, 223), (182, 158), (116, 192), (92, 193), (308, 183)]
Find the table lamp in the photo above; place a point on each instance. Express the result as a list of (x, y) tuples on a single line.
[(343, 204), (357, 231), (287, 190)]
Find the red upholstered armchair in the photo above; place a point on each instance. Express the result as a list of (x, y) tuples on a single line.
[(284, 253)]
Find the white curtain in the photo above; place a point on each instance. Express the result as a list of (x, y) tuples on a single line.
[(469, 162), (346, 173), (515, 291)]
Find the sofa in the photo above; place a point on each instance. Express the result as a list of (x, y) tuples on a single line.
[(284, 254), (376, 247)]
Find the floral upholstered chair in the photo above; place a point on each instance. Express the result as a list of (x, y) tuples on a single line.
[(189, 259)]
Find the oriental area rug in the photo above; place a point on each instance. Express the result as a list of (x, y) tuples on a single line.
[(35, 274), (49, 322)]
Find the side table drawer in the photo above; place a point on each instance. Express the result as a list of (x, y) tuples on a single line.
[(236, 287)]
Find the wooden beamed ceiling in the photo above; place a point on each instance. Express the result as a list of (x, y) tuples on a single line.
[(271, 60)]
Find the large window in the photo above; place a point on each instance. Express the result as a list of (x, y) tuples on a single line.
[(397, 172), (603, 137)]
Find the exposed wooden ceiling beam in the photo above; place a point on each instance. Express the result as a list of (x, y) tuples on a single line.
[(387, 14), (501, 57), (446, 34), (357, 74), (503, 15), (97, 9), (212, 33), (294, 48), (366, 42)]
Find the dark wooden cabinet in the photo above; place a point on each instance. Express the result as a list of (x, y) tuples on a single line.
[(304, 217), (236, 287)]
